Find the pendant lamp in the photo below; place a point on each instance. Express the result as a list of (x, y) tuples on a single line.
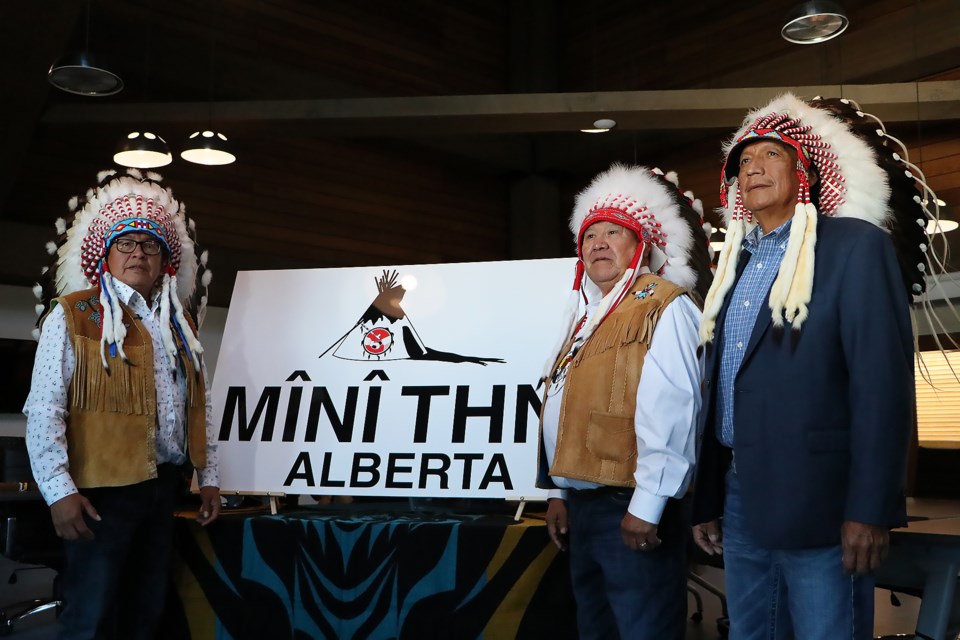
[(143, 151), (209, 148), (814, 22)]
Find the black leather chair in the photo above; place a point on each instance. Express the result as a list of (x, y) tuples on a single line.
[(26, 532)]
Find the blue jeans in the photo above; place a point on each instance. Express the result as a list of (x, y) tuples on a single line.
[(795, 593), (115, 584), (620, 592)]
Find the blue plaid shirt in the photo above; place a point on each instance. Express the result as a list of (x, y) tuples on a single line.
[(766, 254)]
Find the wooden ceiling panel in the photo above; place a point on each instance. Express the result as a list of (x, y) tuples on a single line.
[(361, 48), (708, 44), (382, 132)]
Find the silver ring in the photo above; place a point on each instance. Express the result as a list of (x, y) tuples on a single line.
[(643, 545)]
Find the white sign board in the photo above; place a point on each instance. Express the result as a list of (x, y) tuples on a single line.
[(404, 381)]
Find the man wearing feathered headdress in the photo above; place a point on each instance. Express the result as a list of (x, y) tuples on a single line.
[(119, 402), (618, 423), (809, 388)]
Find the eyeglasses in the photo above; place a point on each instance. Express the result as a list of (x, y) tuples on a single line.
[(129, 245)]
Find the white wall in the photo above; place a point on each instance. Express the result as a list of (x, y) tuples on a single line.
[(17, 314)]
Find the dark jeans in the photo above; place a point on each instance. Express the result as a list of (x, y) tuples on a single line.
[(114, 585), (620, 592), (783, 594)]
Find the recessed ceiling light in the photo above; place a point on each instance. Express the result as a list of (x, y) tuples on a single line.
[(601, 126)]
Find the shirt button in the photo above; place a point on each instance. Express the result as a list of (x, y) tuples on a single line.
[(746, 303), (759, 265), (740, 345)]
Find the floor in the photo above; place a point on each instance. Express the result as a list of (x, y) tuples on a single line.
[(890, 620), (41, 627)]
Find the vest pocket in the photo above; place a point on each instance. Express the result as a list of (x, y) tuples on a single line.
[(611, 436)]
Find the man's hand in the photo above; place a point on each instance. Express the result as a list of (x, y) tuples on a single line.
[(557, 522), (709, 537), (209, 505), (638, 534), (865, 546), (67, 514)]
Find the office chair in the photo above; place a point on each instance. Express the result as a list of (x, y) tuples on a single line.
[(26, 532), (697, 556)]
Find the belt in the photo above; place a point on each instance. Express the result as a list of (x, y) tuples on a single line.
[(604, 491)]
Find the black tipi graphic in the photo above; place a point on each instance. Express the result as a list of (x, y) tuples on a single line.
[(385, 332)]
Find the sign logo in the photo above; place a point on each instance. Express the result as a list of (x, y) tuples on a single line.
[(378, 341), (377, 331)]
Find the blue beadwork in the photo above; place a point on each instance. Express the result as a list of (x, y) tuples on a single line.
[(647, 291)]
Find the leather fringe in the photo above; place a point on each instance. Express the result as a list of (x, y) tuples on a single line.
[(621, 329), (93, 388), (195, 397)]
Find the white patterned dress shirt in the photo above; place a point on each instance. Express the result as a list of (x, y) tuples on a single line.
[(47, 405)]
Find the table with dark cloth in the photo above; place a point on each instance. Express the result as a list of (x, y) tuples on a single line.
[(362, 575)]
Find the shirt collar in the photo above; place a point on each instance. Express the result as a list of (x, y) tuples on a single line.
[(778, 237), (592, 292), (130, 296)]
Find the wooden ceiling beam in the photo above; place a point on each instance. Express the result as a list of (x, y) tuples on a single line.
[(522, 113)]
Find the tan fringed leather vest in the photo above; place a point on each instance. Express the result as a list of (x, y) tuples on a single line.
[(596, 440), (112, 426)]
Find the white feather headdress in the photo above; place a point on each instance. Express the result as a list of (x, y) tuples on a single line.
[(118, 200), (666, 220), (848, 150)]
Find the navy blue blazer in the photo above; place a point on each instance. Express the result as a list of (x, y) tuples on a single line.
[(822, 415)]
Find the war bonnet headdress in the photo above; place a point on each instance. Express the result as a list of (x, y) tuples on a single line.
[(668, 221), (120, 204), (863, 172)]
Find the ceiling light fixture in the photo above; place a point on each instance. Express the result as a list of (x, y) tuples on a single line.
[(602, 125), (814, 22), (143, 151), (208, 147), (79, 74), (941, 226)]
